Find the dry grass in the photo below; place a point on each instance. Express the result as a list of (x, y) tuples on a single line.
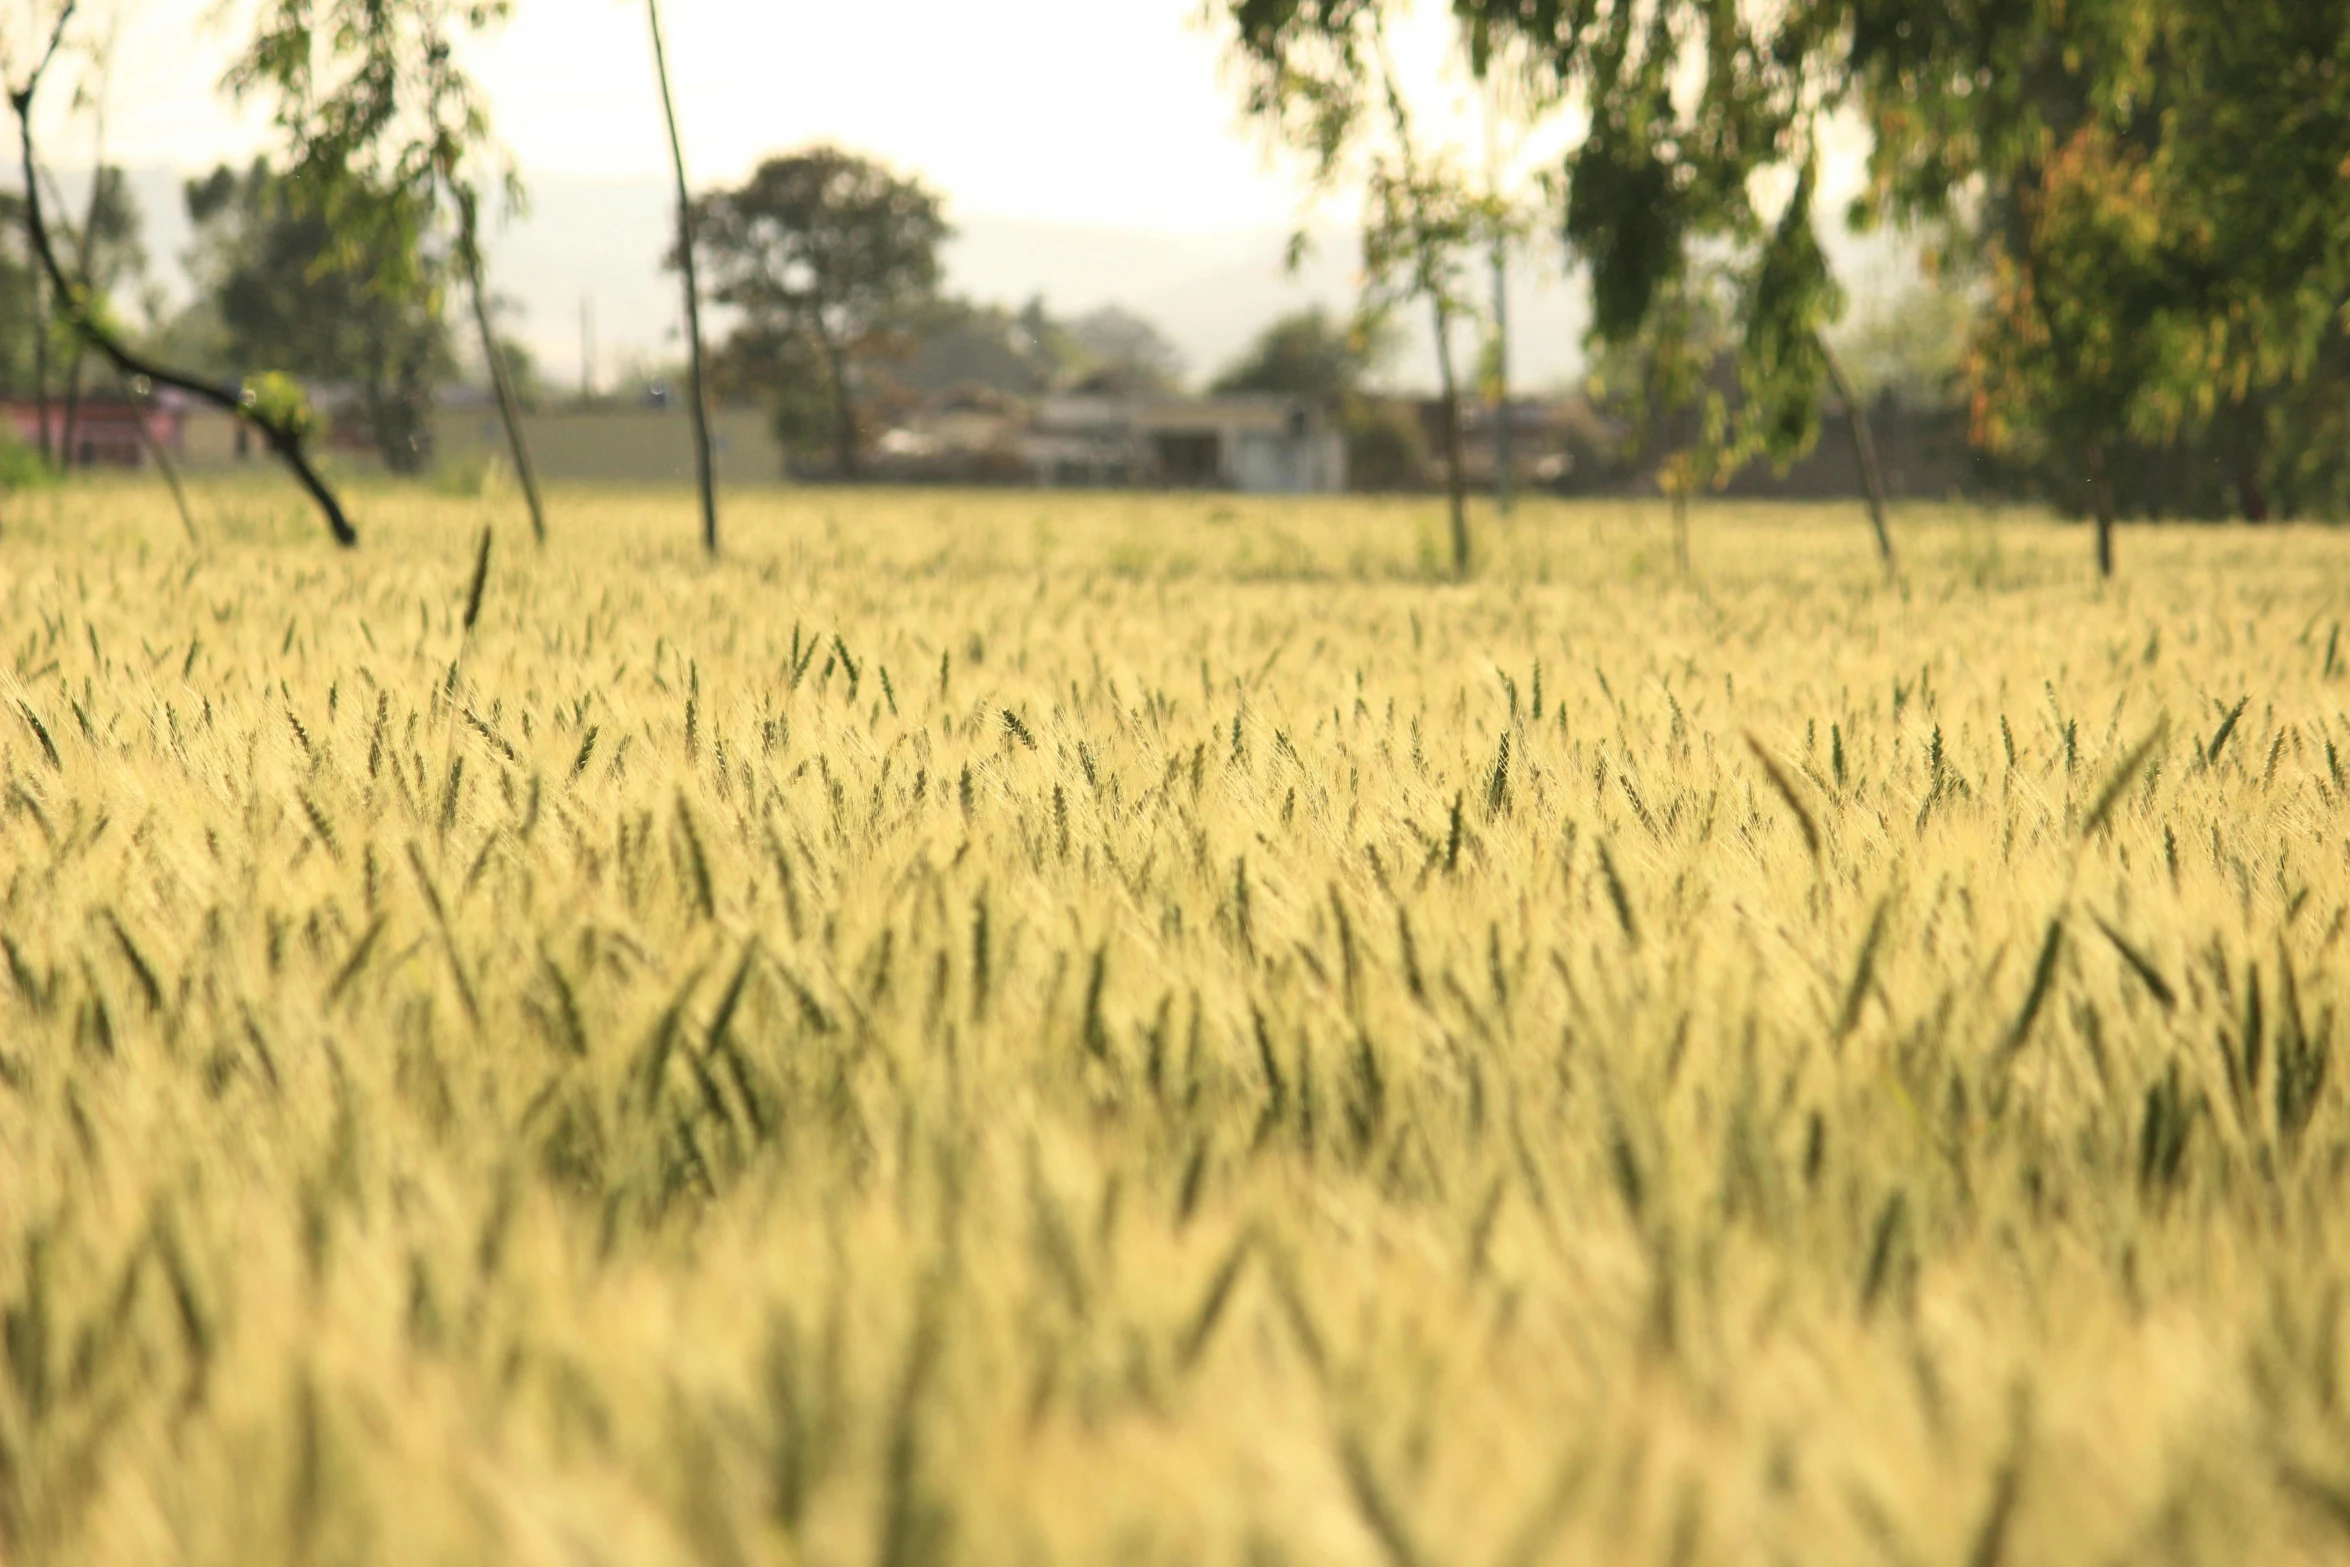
[(1017, 1029)]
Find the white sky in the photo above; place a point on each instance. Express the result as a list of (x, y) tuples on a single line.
[(1104, 112)]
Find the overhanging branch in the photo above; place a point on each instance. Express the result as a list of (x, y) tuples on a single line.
[(284, 438)]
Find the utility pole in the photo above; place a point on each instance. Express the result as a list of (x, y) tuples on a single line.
[(587, 348)]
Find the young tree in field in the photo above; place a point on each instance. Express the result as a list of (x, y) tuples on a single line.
[(1691, 105), (1658, 375), (1493, 365), (271, 405), (1422, 230), (1791, 299), (384, 135), (698, 386), (2057, 364), (2069, 352), (830, 248), (1319, 77), (1512, 97), (2156, 194)]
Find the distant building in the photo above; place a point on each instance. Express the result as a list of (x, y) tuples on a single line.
[(1256, 445), (103, 431)]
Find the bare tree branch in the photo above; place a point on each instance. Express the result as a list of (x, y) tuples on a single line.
[(283, 436)]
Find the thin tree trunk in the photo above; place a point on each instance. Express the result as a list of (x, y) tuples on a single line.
[(1864, 450), (697, 397), (68, 442), (85, 249), (1680, 500), (1504, 437), (2101, 498), (501, 381), (44, 307), (844, 411), (2251, 493), (284, 439), (161, 455), (1455, 480)]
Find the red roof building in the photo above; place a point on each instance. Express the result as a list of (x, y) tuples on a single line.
[(104, 432)]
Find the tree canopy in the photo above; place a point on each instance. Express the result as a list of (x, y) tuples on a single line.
[(386, 141), (276, 296), (824, 255), (1310, 354), (2156, 196), (2148, 197), (1319, 77)]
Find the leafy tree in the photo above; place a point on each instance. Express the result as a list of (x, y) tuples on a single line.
[(783, 367), (1117, 350), (830, 249), (1662, 377), (2066, 363), (1309, 354), (1693, 109), (385, 137), (2154, 192), (1046, 343), (1318, 75), (282, 298), (954, 342)]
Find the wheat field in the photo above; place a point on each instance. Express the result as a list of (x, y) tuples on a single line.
[(1020, 1029)]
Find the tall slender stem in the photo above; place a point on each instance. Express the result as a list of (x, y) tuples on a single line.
[(1455, 480), (697, 398), (501, 379), (1504, 436), (44, 322), (159, 454), (1504, 442), (2101, 498), (1428, 273), (1864, 450)]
